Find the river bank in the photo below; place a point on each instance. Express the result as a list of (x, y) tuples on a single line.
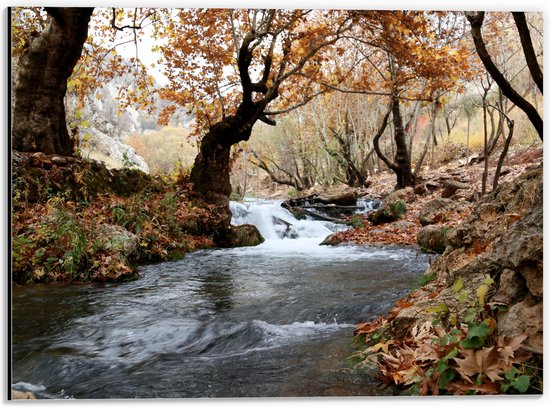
[(475, 327), (271, 320)]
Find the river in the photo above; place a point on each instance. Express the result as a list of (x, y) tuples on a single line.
[(266, 321)]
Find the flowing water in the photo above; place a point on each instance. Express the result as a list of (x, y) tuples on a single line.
[(272, 320)]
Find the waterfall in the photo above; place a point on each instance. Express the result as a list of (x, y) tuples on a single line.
[(366, 205), (275, 222)]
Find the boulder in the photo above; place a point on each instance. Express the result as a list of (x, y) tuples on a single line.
[(22, 395), (521, 247), (331, 240), (434, 211), (511, 287), (406, 195), (431, 238), (524, 317), (245, 235), (392, 207), (102, 140), (116, 239)]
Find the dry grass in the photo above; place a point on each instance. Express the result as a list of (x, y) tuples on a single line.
[(164, 149)]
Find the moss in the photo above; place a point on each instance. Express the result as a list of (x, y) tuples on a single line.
[(389, 213), (245, 235), (128, 181)]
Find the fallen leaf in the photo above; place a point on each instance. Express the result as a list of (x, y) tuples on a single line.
[(507, 347), (484, 361)]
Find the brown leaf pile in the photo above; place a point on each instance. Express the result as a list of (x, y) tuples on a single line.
[(432, 359)]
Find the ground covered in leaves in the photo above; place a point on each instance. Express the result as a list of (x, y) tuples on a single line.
[(405, 229), (80, 222)]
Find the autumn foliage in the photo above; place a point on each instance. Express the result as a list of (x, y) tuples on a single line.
[(83, 234), (450, 355)]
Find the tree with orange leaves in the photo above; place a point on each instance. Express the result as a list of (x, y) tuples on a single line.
[(233, 66)]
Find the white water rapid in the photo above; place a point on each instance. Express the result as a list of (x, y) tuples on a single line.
[(275, 223)]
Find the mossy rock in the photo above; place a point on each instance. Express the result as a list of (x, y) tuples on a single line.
[(432, 238), (245, 235), (128, 181), (388, 212)]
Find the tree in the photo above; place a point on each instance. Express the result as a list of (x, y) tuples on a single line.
[(476, 22), (416, 56), (55, 41), (44, 66), (229, 66)]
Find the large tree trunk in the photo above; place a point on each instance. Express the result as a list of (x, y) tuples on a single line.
[(44, 67), (402, 169), (528, 50), (211, 171)]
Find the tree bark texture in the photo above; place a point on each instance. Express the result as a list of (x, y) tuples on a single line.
[(39, 122), (528, 50), (212, 168), (401, 165), (476, 21), (403, 169)]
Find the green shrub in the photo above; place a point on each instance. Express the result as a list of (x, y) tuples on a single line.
[(356, 221)]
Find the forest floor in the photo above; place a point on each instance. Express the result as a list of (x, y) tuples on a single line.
[(474, 326), (405, 230)]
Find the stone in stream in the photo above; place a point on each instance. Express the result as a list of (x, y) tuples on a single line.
[(22, 395), (245, 235)]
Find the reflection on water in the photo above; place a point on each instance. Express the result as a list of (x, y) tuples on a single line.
[(217, 289)]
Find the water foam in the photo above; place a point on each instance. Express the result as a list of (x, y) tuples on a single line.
[(276, 223)]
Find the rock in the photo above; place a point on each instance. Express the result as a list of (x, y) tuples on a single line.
[(127, 181), (434, 211), (432, 238), (393, 206), (388, 213), (245, 235), (501, 239), (521, 247), (117, 239), (331, 240), (406, 195), (511, 287), (101, 140), (524, 317), (450, 187), (420, 189), (22, 395)]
